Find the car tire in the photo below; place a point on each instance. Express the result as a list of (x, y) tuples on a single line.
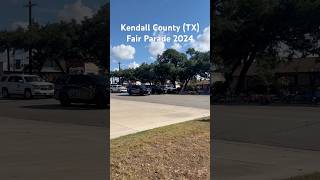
[(5, 93), (101, 101), (64, 100), (27, 94)]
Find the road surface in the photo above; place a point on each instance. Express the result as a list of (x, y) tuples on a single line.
[(42, 140), (265, 142)]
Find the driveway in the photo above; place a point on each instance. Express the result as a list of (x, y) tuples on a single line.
[(132, 114)]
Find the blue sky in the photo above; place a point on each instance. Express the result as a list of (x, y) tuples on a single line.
[(14, 13), (162, 12)]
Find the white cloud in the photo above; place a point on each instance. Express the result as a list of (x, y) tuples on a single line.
[(176, 46), (156, 48), (123, 52), (77, 11), (21, 24), (202, 42), (133, 65), (152, 58)]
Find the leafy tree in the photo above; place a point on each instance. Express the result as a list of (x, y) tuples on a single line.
[(174, 57), (244, 29)]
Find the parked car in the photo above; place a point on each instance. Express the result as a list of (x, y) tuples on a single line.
[(115, 88), (27, 85), (138, 90), (316, 96), (89, 89), (169, 89), (156, 89)]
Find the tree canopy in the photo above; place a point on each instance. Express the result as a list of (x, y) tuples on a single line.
[(246, 29), (170, 65), (69, 41)]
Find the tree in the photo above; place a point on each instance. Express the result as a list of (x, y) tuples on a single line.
[(197, 64), (174, 57), (243, 29), (145, 73)]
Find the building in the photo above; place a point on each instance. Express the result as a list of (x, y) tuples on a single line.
[(296, 75), (19, 59)]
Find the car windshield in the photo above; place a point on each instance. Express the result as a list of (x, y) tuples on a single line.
[(33, 79), (99, 80)]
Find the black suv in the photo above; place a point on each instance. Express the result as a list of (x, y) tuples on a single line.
[(138, 89), (89, 89), (156, 89)]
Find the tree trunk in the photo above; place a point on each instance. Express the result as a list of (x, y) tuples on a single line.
[(247, 64), (229, 76), (184, 85)]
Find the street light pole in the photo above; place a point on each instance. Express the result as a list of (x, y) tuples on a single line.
[(29, 6), (119, 71)]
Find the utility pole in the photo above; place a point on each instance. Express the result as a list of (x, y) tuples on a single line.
[(119, 71), (29, 6)]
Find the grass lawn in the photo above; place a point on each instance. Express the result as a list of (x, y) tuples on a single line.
[(314, 176), (180, 151)]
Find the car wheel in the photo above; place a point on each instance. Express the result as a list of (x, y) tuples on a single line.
[(64, 100), (5, 93), (101, 101), (27, 94)]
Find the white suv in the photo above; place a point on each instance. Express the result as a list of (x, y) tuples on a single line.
[(115, 88), (26, 85)]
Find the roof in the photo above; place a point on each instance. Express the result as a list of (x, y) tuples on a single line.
[(297, 65)]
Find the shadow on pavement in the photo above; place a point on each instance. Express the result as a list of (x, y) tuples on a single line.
[(266, 105), (59, 107), (20, 99)]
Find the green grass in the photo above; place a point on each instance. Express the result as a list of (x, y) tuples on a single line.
[(314, 176), (180, 151)]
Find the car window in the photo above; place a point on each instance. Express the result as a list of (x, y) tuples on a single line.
[(100, 80), (75, 80), (15, 79), (80, 80), (33, 79)]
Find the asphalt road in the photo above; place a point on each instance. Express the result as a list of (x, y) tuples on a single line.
[(265, 142), (195, 101), (42, 140), (285, 126), (50, 110)]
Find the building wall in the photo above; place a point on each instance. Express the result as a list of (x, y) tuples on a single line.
[(18, 59)]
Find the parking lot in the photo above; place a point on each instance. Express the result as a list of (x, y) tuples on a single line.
[(43, 140)]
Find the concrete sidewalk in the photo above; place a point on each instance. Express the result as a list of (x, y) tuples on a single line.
[(245, 161), (129, 117)]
